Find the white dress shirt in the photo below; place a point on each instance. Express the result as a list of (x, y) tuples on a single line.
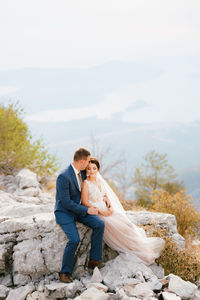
[(76, 173)]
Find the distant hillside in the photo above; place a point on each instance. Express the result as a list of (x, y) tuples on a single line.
[(191, 178)]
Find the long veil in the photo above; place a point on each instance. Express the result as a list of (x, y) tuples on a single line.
[(114, 200)]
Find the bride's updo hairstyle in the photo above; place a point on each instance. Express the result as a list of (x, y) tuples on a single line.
[(95, 161)]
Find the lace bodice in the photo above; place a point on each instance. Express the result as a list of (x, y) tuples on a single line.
[(95, 195)]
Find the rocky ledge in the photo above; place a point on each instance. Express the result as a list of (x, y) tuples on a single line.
[(31, 248)]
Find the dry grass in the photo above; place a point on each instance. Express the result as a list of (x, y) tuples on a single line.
[(183, 263), (131, 205), (193, 247), (50, 187)]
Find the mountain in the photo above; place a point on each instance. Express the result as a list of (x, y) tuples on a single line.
[(115, 83)]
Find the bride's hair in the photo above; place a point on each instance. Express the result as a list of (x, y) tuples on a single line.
[(94, 160)]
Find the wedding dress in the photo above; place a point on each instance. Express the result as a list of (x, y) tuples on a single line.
[(120, 234)]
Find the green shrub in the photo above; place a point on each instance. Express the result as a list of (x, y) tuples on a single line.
[(17, 148)]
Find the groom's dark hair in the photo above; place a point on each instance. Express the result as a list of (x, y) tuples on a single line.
[(81, 153)]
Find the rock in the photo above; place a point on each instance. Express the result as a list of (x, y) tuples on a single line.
[(162, 220), (184, 289), (6, 280), (157, 270), (93, 293), (61, 290), (139, 276), (154, 283), (121, 295), (30, 192), (196, 295), (21, 292), (179, 240), (170, 296), (19, 279), (128, 266), (96, 277), (36, 296), (26, 179), (3, 291), (98, 286), (141, 290), (31, 247)]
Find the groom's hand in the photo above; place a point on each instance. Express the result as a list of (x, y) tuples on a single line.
[(92, 211)]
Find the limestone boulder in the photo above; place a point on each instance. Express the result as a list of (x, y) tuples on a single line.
[(182, 288)]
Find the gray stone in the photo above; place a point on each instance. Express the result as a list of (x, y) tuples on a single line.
[(98, 286), (31, 244), (170, 296), (196, 295), (3, 291), (154, 283), (6, 280), (157, 270), (93, 293), (184, 289), (162, 220), (21, 292), (26, 179), (179, 240), (61, 290), (37, 296), (96, 276), (141, 290), (128, 266), (19, 279)]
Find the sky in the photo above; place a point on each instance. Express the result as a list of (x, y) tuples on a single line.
[(84, 34), (63, 33)]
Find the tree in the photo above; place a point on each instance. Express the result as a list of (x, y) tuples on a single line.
[(182, 207), (17, 148), (156, 173)]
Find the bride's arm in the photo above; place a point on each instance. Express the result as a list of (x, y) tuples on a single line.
[(84, 195)]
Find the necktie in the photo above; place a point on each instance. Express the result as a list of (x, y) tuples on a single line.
[(80, 179)]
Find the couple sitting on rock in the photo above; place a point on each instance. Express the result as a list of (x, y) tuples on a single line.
[(83, 195)]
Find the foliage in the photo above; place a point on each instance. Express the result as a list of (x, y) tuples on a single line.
[(183, 263), (17, 148), (155, 173), (180, 205)]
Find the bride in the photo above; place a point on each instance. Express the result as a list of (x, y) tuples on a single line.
[(119, 234)]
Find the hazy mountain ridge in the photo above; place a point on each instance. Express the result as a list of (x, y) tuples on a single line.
[(48, 89)]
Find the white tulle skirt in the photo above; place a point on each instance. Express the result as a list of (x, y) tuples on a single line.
[(123, 236)]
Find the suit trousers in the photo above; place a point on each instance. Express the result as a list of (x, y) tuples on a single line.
[(72, 234)]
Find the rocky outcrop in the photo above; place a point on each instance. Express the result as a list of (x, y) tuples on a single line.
[(31, 248)]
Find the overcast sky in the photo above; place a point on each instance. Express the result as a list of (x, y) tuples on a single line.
[(77, 33), (86, 33)]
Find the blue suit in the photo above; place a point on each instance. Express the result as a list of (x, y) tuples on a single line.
[(67, 211)]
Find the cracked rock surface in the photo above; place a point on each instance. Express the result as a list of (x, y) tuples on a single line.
[(31, 249)]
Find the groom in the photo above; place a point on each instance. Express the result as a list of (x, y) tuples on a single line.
[(68, 210)]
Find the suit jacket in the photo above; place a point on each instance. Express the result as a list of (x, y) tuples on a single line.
[(68, 197)]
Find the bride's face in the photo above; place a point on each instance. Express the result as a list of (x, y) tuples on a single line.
[(91, 170)]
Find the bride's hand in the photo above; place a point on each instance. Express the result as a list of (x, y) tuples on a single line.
[(105, 213)]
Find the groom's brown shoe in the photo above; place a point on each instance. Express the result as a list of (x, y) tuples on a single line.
[(95, 263), (65, 277)]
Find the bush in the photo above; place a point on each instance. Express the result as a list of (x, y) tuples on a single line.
[(182, 263), (180, 205), (17, 148), (154, 174)]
